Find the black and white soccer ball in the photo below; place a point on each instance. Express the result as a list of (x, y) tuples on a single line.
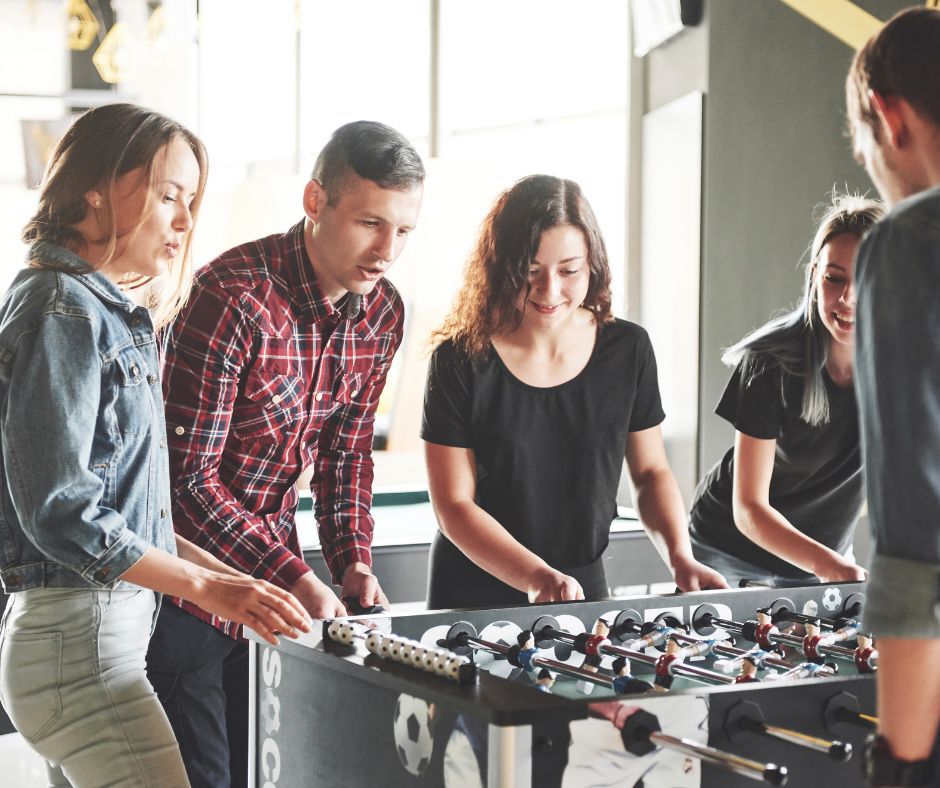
[(413, 740), (505, 633), (832, 598)]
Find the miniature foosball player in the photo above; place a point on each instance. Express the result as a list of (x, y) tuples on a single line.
[(812, 642), (544, 680), (624, 682), (866, 656), (766, 629), (527, 650), (749, 666), (593, 643), (666, 664)]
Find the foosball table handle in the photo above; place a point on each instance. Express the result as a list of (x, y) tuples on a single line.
[(842, 709), (354, 608)]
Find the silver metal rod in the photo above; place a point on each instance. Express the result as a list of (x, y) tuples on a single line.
[(544, 662), (801, 739), (768, 772), (682, 669), (733, 651), (790, 640)]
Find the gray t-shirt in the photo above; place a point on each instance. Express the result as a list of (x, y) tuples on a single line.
[(898, 383)]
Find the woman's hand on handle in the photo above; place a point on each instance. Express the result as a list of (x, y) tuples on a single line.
[(550, 585), (690, 575), (841, 570)]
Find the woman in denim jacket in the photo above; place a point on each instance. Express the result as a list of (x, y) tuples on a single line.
[(85, 520)]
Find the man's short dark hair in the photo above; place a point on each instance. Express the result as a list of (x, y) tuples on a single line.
[(902, 59), (372, 151)]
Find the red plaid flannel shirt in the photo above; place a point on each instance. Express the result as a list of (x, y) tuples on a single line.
[(264, 377)]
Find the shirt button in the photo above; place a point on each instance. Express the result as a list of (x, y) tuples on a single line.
[(179, 431), (162, 444), (151, 379), (163, 514), (354, 392), (136, 322), (276, 398), (319, 396)]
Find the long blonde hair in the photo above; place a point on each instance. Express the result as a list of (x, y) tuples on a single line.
[(798, 342), (99, 147)]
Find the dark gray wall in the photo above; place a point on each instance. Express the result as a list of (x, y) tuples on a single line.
[(774, 147)]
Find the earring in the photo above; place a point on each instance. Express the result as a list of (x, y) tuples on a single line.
[(97, 204)]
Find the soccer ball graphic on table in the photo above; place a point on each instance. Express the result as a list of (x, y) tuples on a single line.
[(832, 597), (413, 740), (503, 632)]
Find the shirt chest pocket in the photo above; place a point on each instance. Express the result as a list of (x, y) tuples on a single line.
[(270, 407), (133, 401), (345, 391)]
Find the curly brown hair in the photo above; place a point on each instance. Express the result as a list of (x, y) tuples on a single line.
[(498, 268)]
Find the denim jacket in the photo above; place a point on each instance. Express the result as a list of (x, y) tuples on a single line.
[(85, 480)]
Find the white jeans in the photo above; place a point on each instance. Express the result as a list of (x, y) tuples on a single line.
[(72, 680)]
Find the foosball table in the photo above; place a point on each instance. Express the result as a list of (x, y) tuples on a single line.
[(718, 688)]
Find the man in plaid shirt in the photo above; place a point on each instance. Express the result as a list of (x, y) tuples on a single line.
[(275, 365)]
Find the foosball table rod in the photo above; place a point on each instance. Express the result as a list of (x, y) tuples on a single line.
[(746, 717), (548, 632), (751, 630), (641, 734), (463, 636)]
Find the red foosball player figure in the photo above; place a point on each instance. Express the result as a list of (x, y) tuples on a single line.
[(766, 629), (596, 641), (593, 656), (866, 657), (748, 671), (666, 664), (544, 680), (812, 641)]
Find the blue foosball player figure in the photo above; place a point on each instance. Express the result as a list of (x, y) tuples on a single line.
[(527, 650), (624, 683), (544, 680)]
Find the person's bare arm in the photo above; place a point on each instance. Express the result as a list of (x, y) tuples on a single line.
[(908, 681), (660, 508), (452, 482), (767, 527), (234, 596)]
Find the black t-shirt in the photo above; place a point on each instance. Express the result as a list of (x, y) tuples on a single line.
[(548, 459), (817, 476)]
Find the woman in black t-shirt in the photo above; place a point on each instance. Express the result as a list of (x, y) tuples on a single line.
[(535, 395), (782, 505)]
